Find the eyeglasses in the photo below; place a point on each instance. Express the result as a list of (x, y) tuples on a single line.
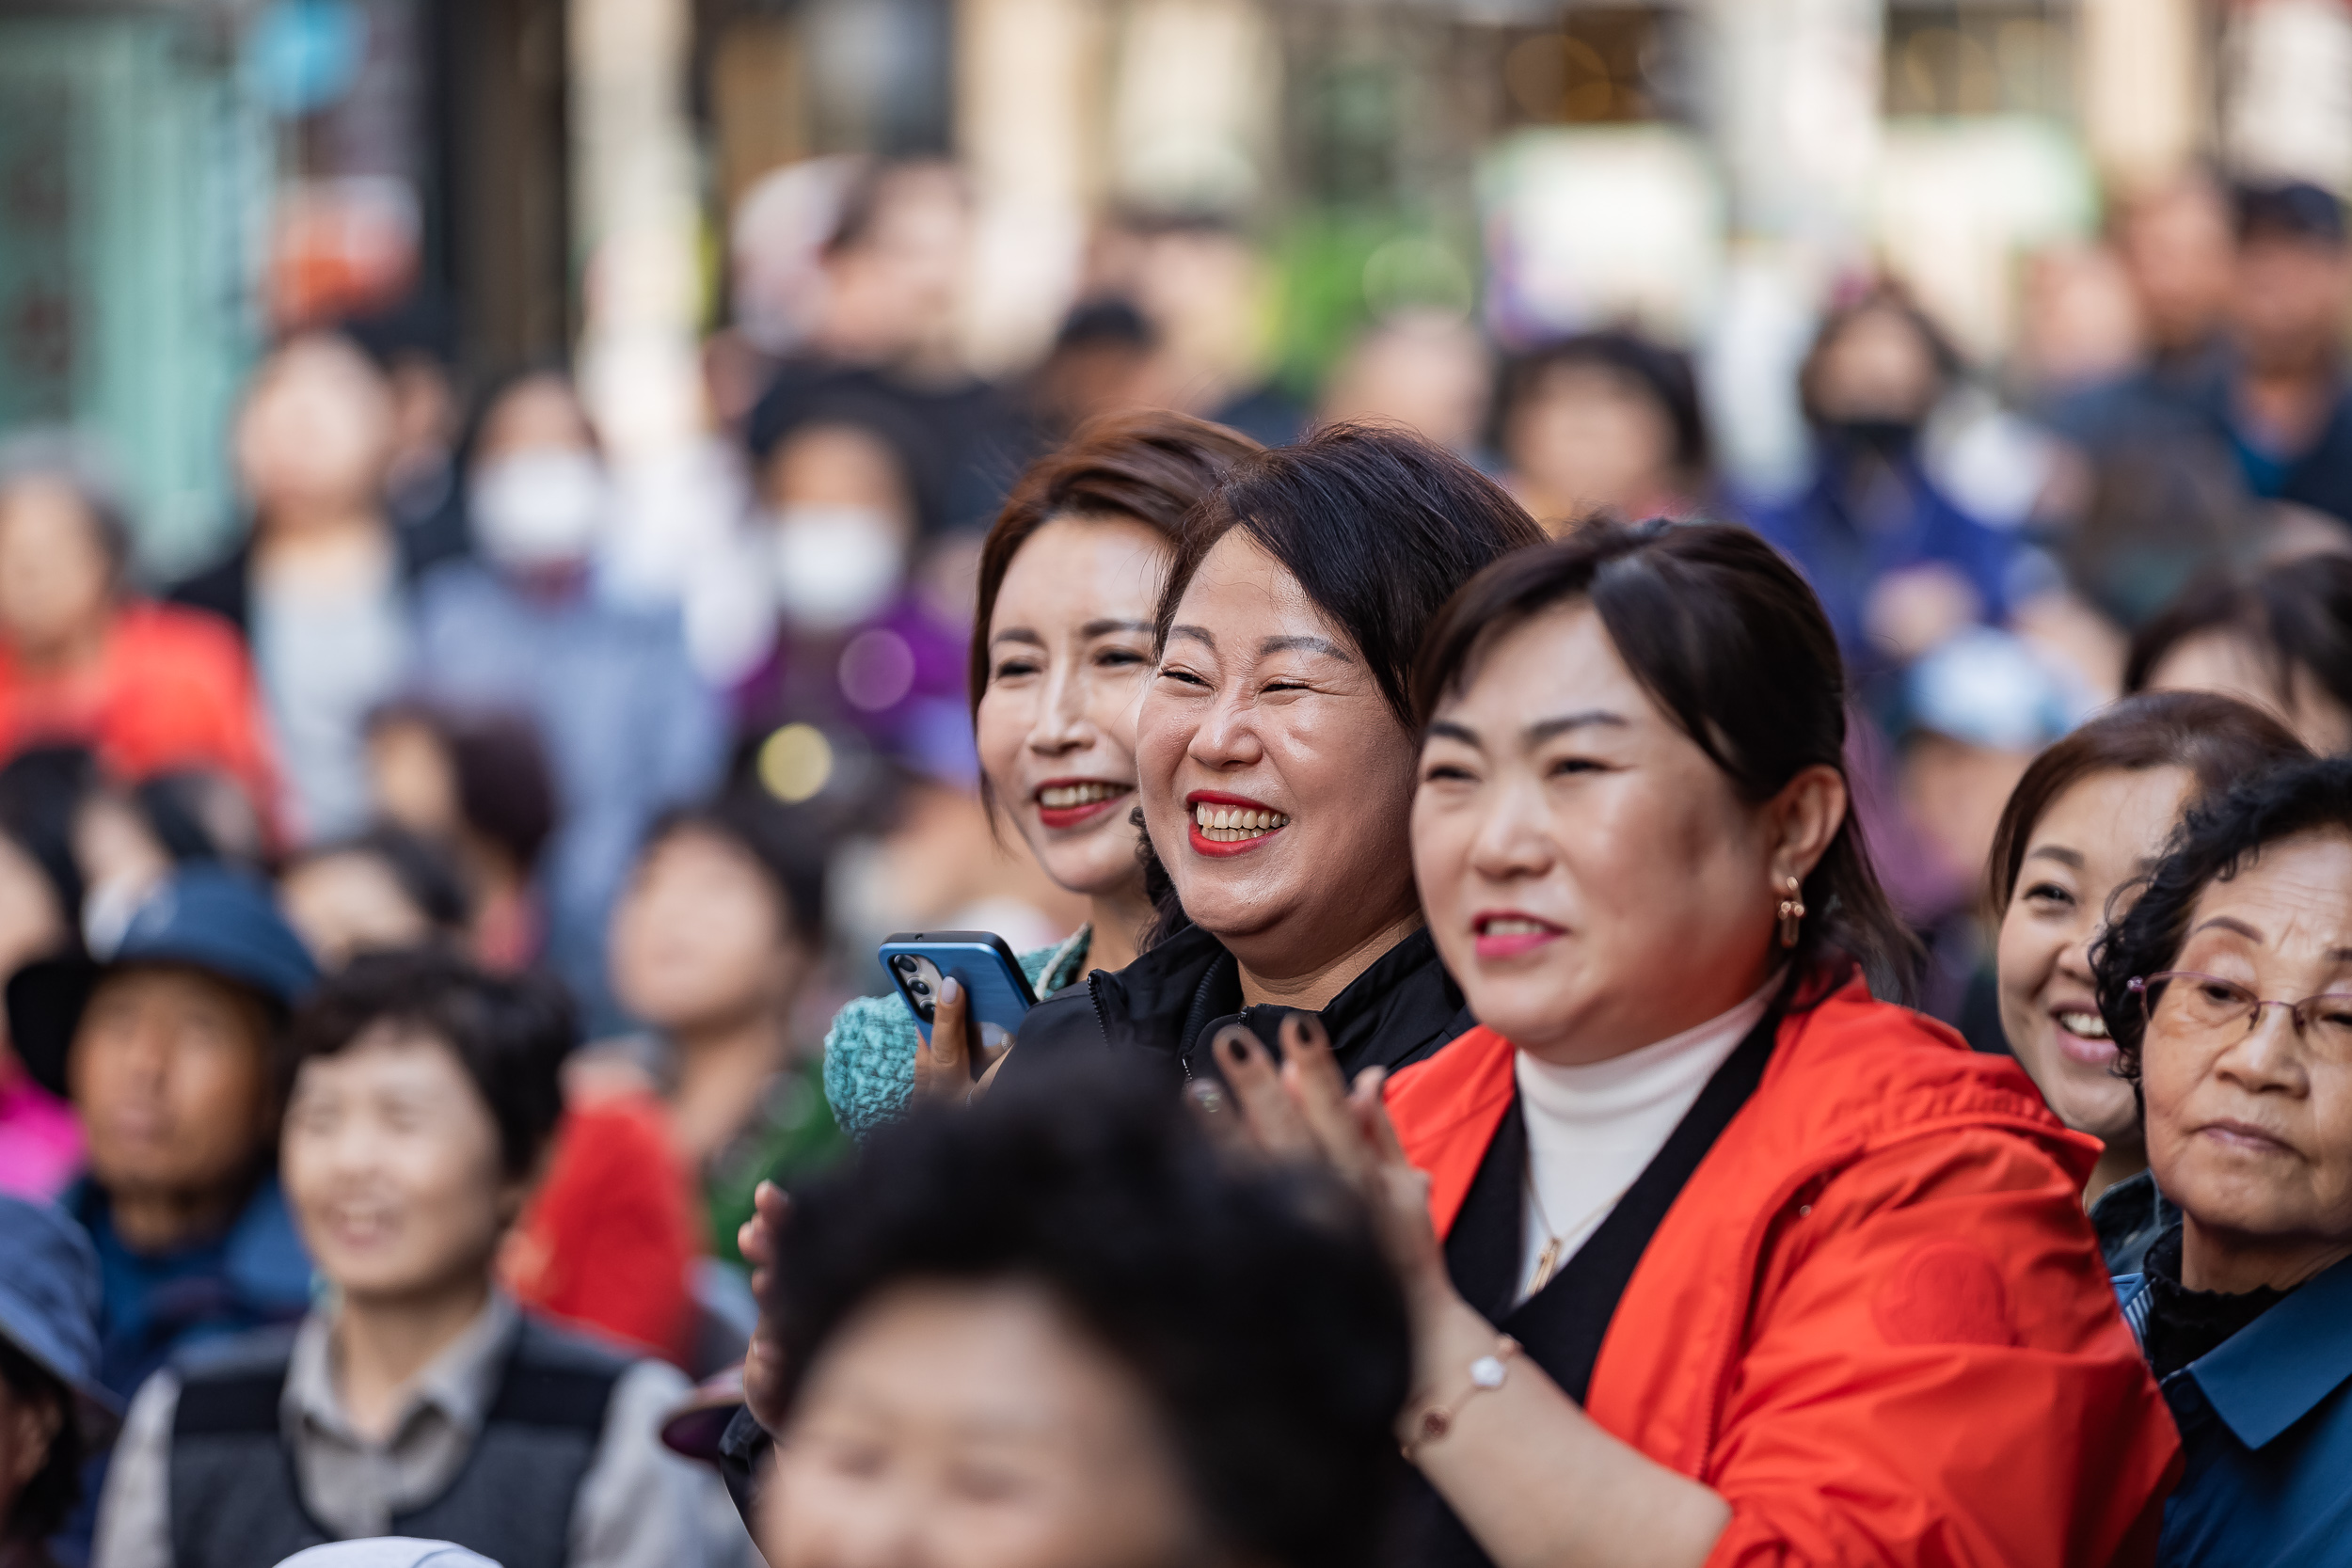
[(2184, 1000)]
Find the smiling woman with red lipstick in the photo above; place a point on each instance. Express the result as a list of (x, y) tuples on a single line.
[(2087, 816), (1712, 1256), (1274, 753), (2228, 986), (1061, 649)]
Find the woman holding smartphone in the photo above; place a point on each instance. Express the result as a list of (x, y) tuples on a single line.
[(1061, 647), (1275, 751)]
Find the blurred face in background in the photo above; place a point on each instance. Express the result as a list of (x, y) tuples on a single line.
[(1275, 777), (57, 578), (1069, 653), (2287, 304), (1430, 373), (2226, 661), (2177, 247), (2094, 838), (702, 939), (315, 433), (537, 493), (2081, 320), (170, 1072), (351, 901), (893, 293), (1877, 369), (412, 779), (390, 1159), (974, 1426), (841, 522), (1590, 438)]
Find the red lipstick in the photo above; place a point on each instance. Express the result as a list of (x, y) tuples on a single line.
[(1080, 812), (1260, 823), (1522, 933)]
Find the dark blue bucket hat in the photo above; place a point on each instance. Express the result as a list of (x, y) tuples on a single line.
[(49, 1308), (205, 917)]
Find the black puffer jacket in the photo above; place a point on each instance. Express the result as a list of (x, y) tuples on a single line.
[(1160, 1014)]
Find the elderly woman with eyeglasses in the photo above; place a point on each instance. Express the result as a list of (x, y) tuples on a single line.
[(2229, 990)]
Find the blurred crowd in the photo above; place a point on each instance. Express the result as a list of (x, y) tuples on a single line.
[(482, 732)]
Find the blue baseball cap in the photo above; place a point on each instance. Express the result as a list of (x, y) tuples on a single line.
[(209, 918), (49, 1308)]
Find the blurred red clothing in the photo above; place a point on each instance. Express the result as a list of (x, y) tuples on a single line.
[(171, 689), (609, 1241)]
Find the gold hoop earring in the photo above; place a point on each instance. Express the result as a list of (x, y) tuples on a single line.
[(1792, 913)]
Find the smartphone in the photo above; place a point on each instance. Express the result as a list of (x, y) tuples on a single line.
[(997, 993)]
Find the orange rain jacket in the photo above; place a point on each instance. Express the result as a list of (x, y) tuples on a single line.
[(1875, 1322)]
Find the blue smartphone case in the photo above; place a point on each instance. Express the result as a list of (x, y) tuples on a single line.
[(917, 961)]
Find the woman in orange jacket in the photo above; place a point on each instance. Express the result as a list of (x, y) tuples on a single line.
[(1713, 1258)]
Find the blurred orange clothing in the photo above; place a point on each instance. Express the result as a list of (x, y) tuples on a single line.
[(171, 688), (608, 1240)]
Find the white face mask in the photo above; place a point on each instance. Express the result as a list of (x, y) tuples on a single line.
[(834, 565), (546, 507)]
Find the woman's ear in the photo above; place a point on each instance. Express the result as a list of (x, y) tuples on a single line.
[(1803, 819)]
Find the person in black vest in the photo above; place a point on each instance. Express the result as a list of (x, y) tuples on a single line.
[(414, 1400), (1274, 765)]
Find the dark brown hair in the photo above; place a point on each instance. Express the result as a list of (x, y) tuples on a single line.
[(2218, 740), (510, 1031), (1378, 526), (2296, 613), (1736, 651), (1154, 467)]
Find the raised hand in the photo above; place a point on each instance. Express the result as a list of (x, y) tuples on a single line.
[(1300, 1109), (763, 1363)]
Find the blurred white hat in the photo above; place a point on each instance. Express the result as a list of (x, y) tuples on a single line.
[(390, 1551)]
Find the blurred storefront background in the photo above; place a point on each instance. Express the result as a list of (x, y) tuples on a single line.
[(501, 182)]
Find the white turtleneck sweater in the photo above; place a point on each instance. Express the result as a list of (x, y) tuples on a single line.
[(1593, 1128)]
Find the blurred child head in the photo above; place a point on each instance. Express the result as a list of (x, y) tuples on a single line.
[(382, 891), (1427, 371), (65, 543), (315, 435), (722, 919), (1602, 423), (2280, 639)]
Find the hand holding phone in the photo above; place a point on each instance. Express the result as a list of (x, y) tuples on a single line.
[(996, 994)]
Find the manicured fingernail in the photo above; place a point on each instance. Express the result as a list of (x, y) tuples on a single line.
[(952, 991), (1208, 1097)]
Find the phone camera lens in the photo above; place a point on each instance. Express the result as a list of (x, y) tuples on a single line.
[(904, 964), (920, 987)]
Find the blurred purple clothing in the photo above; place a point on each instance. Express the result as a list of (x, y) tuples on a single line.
[(898, 680), (41, 1142)]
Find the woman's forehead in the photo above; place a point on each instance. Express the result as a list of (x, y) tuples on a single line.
[(2293, 892), (1561, 656), (1240, 589)]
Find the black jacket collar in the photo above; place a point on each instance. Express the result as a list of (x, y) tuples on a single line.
[(1172, 1000)]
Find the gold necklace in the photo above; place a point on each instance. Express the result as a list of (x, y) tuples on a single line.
[(1555, 1245)]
